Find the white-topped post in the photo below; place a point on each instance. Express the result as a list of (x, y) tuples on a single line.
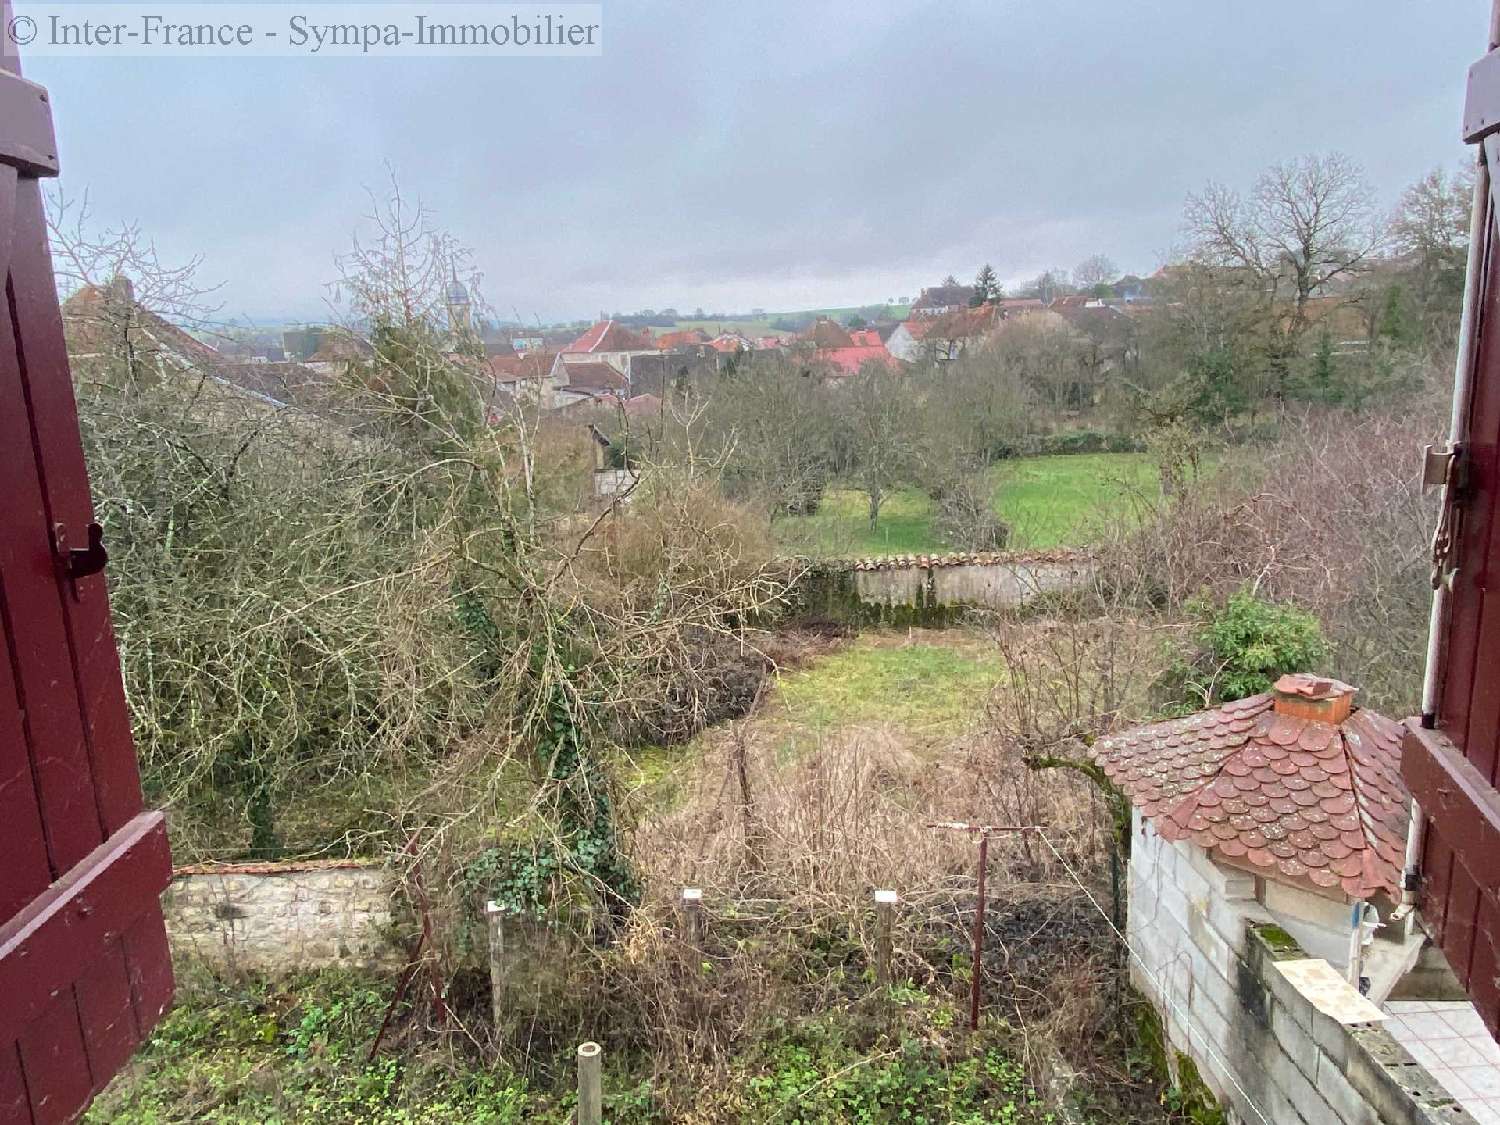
[(494, 916), (885, 912), (692, 915)]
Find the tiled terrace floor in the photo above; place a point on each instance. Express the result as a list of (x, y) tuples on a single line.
[(1449, 1039)]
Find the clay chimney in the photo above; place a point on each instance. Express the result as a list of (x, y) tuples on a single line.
[(1305, 696)]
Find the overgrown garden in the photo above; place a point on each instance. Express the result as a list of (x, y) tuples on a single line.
[(394, 620)]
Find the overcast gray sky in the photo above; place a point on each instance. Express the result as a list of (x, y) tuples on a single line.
[(780, 155)]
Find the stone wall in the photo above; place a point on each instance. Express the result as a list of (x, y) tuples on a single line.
[(931, 589), (993, 585), (612, 482), (283, 917), (1206, 959)]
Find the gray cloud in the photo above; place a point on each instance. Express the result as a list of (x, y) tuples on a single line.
[(766, 154)]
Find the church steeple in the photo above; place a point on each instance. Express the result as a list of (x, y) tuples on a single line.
[(460, 309)]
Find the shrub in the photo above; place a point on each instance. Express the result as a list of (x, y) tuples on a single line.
[(966, 518), (1241, 647), (1080, 441)]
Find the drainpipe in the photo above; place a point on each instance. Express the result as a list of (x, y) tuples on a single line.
[(1411, 876), (1458, 426), (1363, 922), (1352, 965)]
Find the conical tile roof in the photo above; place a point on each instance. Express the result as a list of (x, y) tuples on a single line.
[(1293, 799)]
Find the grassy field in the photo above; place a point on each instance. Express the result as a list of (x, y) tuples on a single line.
[(925, 687), (761, 326), (1048, 502), (922, 686)]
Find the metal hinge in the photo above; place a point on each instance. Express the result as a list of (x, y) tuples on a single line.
[(1436, 465), (26, 138), (1445, 468)]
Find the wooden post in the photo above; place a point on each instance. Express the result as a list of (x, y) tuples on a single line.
[(494, 915), (885, 911), (590, 1084), (692, 915)]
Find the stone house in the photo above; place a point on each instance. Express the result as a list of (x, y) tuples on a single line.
[(906, 342), (608, 343), (940, 299)]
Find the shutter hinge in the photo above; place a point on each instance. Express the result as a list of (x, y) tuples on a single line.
[(1446, 468), (26, 138)]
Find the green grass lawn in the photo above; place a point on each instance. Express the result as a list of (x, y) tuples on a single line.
[(926, 689), (1048, 502), (1060, 501)]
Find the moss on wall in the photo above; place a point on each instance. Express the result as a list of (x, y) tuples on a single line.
[(831, 593), (1277, 942), (1186, 1091)]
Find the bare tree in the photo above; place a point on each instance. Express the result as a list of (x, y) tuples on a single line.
[(84, 254), (1046, 355), (1095, 270), (1307, 224), (400, 275), (425, 373), (115, 289), (1429, 230), (1048, 286), (881, 417), (773, 420), (1206, 357)]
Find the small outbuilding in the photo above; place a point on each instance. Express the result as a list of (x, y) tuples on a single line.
[(1266, 916)]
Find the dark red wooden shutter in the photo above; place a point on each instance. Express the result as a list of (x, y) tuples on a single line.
[(1452, 763), (84, 966)]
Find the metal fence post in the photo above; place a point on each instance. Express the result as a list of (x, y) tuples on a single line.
[(976, 985)]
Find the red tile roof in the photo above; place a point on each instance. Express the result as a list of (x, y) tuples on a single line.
[(513, 368), (865, 337), (826, 334), (850, 360), (607, 336), (681, 339), (594, 378), (1293, 799), (919, 326), (961, 324)]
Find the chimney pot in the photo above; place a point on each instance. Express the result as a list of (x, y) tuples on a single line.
[(1305, 696)]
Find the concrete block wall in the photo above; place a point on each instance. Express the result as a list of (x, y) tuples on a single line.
[(1259, 1045), (283, 917), (996, 585)]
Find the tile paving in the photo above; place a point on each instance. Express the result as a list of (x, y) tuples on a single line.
[(1450, 1040)]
